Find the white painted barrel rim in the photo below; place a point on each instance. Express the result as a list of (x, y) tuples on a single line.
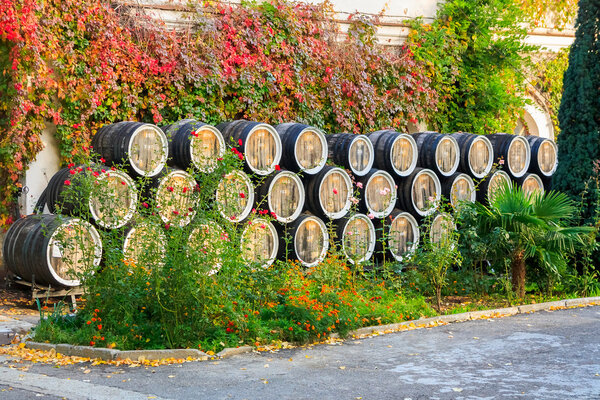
[(164, 153), (184, 220), (553, 143), (417, 235), (436, 198), (372, 239), (323, 227), (324, 150), (300, 186), (415, 154), (194, 141), (371, 157), (249, 195), (348, 204), (393, 193), (97, 248), (278, 149), (132, 206), (519, 174), (497, 173), (490, 163), (456, 159), (537, 179), (274, 235), (471, 186), (162, 239)]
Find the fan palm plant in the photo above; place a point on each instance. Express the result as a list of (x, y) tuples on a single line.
[(534, 225)]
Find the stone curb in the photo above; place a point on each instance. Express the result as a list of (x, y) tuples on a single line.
[(234, 351), (473, 315), (139, 355)]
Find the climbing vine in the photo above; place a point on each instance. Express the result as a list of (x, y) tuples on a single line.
[(74, 65)]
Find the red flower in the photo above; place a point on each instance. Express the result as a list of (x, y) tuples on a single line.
[(335, 191), (100, 326), (240, 142), (89, 322), (102, 160), (72, 172), (170, 188), (277, 168), (167, 226), (71, 165), (185, 189), (67, 182), (193, 133), (92, 343), (242, 195), (123, 183), (220, 159), (175, 212), (145, 204)]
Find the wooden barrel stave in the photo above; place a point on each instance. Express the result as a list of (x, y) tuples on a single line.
[(230, 204), (304, 147), (328, 193), (531, 183), (514, 151), (438, 152), (476, 154), (260, 242), (175, 196), (490, 184), (378, 193), (144, 245), (351, 151), (395, 152), (442, 224), (356, 237), (544, 156), (415, 191), (308, 240), (458, 187), (282, 193)]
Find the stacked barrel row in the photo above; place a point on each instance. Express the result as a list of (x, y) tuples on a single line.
[(389, 176)]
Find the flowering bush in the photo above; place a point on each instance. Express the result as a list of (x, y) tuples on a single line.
[(77, 65)]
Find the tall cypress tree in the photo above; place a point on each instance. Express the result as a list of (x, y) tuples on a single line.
[(579, 113)]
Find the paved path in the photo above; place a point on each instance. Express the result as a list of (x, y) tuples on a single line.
[(544, 355)]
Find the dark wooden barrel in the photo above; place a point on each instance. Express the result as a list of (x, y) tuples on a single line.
[(396, 153), (145, 245), (304, 147), (260, 144), (441, 225), (438, 152), (530, 184), (378, 193), (283, 194), (476, 154), (51, 249), (234, 196), (514, 151), (351, 151), (328, 193), (110, 197), (419, 192), (175, 196), (143, 148), (458, 187), (544, 156), (356, 237), (194, 144), (488, 186), (307, 240), (205, 247), (259, 243), (399, 232)]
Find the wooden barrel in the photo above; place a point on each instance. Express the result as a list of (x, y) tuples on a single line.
[(476, 154), (514, 151), (145, 245), (378, 193), (328, 193), (488, 186), (531, 183), (419, 192), (308, 240), (259, 143), (110, 197), (396, 153), (544, 156), (142, 147), (283, 194), (259, 243), (175, 196), (304, 147), (441, 226), (351, 151), (356, 237), (205, 247), (235, 196), (458, 187), (53, 250), (400, 232), (437, 152), (194, 144)]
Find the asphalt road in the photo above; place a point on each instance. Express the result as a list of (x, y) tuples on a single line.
[(544, 355)]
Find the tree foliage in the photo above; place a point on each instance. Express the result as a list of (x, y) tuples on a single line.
[(475, 56), (579, 113)]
